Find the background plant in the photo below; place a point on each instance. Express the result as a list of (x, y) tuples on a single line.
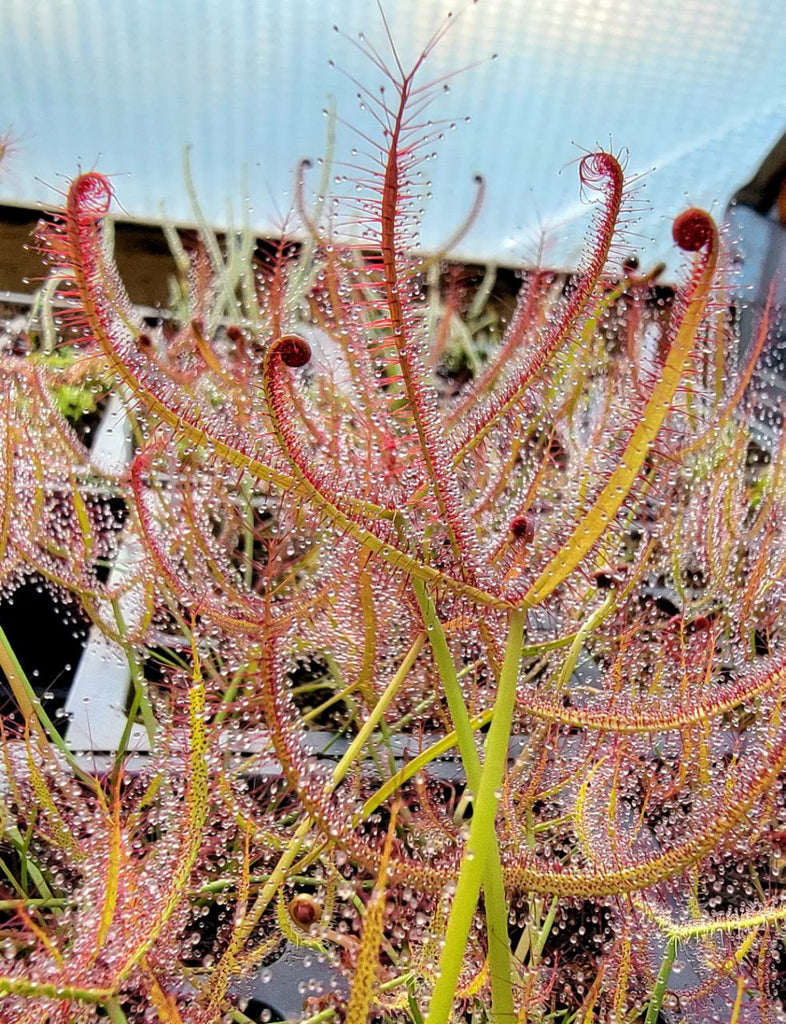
[(568, 577)]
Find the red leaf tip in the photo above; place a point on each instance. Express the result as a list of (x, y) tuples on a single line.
[(292, 350), (693, 229), (92, 193), (523, 528)]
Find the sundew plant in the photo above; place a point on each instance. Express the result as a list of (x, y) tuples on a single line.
[(538, 608)]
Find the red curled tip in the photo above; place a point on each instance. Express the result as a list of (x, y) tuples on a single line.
[(235, 334), (523, 528), (693, 229), (304, 910), (597, 168), (701, 624), (92, 193), (293, 350)]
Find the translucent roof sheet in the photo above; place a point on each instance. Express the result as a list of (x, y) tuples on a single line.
[(694, 90)]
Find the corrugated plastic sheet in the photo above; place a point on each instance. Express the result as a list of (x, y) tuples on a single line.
[(694, 90)]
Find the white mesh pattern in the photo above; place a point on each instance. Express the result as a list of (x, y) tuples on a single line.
[(695, 89)]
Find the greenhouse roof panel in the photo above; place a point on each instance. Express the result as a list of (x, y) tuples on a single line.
[(693, 90)]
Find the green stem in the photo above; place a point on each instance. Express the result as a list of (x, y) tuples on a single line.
[(662, 980), (482, 836), (495, 905), (275, 881), (241, 1018), (31, 707), (222, 884), (29, 867), (114, 1012), (248, 534), (412, 767), (43, 903), (577, 644), (318, 1018), (539, 939), (375, 716), (412, 1003), (140, 701), (45, 990), (453, 694), (230, 693)]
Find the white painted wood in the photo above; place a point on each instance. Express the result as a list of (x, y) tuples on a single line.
[(97, 699)]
